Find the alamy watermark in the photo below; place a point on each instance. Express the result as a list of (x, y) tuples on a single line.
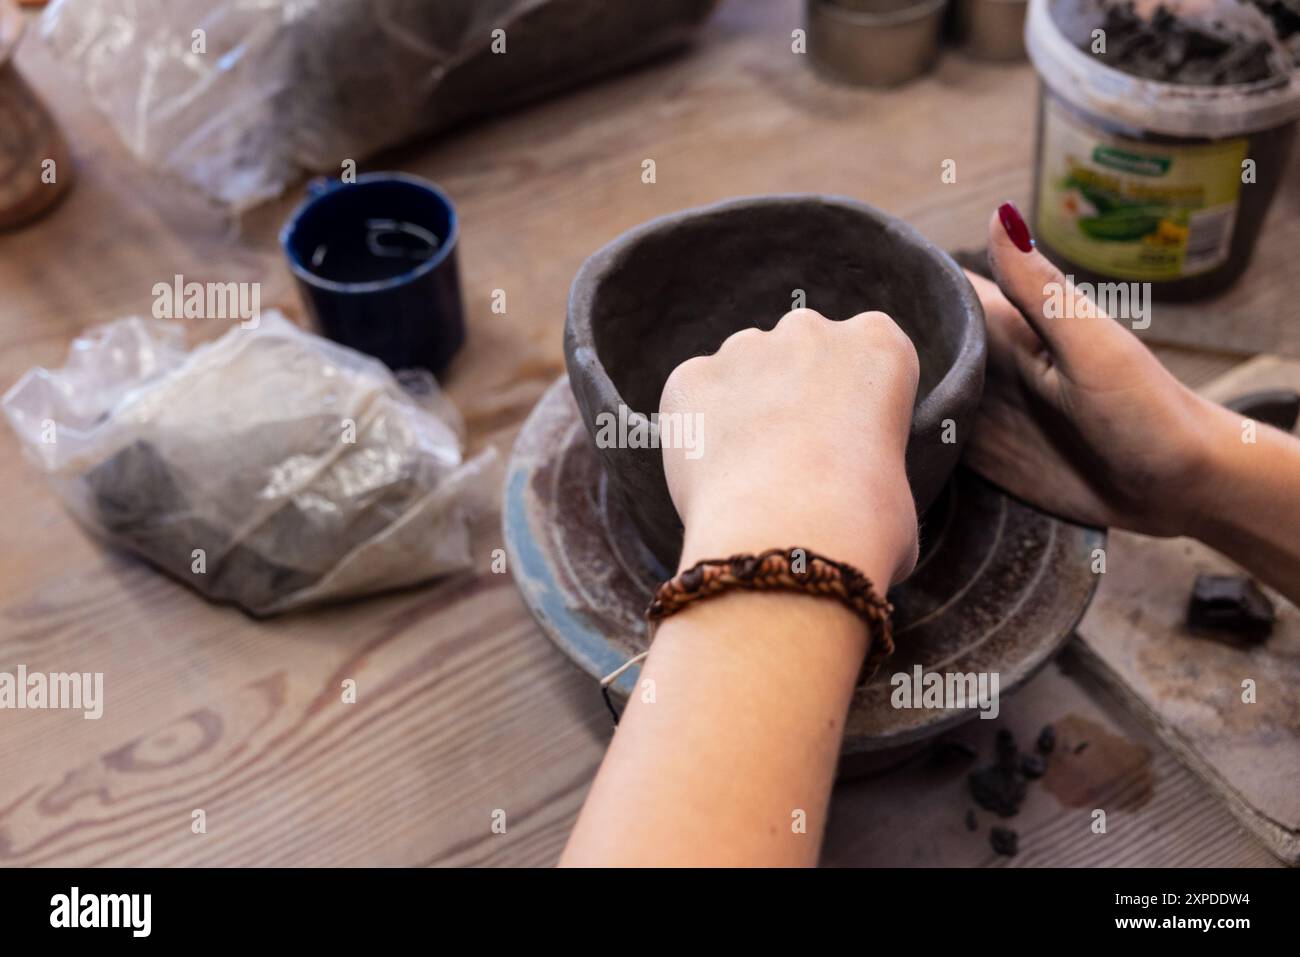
[(632, 430), (208, 300), (1127, 301), (133, 912), (942, 691), (57, 691)]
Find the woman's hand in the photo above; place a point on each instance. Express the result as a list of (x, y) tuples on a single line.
[(1077, 415), (804, 433), (1080, 419), (726, 751)]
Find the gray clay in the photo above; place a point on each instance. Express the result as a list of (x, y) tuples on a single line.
[(676, 287)]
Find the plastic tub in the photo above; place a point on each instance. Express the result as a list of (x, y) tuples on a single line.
[(1146, 181)]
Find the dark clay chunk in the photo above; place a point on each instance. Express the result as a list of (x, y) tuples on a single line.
[(1279, 408), (1169, 48), (1001, 788), (1285, 15), (1005, 841), (1232, 604), (1008, 754), (998, 790), (949, 752), (1046, 740), (1033, 766)]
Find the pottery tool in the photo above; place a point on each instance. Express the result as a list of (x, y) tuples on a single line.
[(998, 589), (1190, 689)]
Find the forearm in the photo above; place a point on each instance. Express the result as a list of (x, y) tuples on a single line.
[(726, 752), (1250, 507), (727, 749)]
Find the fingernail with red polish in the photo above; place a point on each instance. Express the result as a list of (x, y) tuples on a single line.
[(1015, 226)]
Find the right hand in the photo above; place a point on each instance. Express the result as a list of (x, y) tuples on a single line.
[(1078, 417), (805, 429)]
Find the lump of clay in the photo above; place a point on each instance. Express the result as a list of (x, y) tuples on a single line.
[(1232, 604), (1204, 44), (271, 469), (1279, 408)]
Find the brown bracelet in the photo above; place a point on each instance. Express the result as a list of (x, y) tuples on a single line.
[(774, 569)]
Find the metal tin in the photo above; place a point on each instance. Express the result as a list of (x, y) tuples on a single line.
[(992, 29), (874, 42)]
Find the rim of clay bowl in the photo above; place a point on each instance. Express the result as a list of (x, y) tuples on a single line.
[(12, 24), (970, 353)]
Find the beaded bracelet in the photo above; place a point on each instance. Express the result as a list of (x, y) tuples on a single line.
[(783, 569)]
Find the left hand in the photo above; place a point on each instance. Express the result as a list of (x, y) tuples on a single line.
[(1078, 416)]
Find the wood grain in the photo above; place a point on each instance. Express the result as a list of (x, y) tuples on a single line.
[(463, 707)]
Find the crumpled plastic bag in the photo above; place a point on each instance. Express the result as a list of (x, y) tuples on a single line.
[(289, 86), (271, 468)]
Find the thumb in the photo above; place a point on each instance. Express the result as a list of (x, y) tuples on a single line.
[(1066, 320)]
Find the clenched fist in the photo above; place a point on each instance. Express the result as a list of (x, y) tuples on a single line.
[(804, 430)]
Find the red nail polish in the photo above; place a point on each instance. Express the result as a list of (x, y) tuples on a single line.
[(1015, 226)]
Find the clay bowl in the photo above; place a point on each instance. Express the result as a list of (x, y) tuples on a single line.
[(677, 286)]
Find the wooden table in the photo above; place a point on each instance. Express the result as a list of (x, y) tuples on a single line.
[(463, 706)]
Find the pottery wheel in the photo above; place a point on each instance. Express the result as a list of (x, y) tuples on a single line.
[(999, 586)]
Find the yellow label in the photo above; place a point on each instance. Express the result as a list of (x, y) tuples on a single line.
[(1134, 210)]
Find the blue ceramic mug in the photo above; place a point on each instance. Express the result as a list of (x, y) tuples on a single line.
[(375, 261)]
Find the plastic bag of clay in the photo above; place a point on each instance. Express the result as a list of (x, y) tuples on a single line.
[(240, 97), (271, 468)]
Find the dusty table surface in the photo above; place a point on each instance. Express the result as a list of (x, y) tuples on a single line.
[(463, 707)]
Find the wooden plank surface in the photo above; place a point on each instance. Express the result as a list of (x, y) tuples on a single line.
[(463, 707)]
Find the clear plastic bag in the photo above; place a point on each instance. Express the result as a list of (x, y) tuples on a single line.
[(271, 469), (281, 87)]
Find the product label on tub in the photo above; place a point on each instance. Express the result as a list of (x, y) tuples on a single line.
[(1133, 210)]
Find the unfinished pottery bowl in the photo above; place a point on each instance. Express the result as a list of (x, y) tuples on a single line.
[(677, 286)]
